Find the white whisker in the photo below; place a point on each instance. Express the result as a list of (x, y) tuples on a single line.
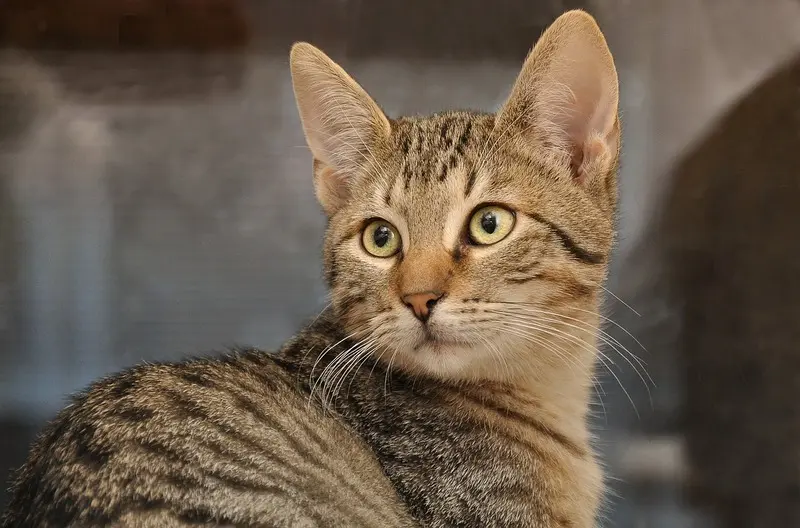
[(522, 321), (628, 306)]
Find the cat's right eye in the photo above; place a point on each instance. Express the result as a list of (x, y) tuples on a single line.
[(380, 239), (490, 224)]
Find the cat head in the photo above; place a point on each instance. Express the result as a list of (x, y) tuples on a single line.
[(467, 245)]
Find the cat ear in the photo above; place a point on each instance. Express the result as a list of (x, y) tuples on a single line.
[(342, 124), (566, 97)]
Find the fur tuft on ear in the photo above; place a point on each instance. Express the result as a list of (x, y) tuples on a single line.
[(342, 124), (566, 96)]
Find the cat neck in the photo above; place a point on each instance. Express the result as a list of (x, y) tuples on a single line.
[(563, 377), (556, 381), (556, 393)]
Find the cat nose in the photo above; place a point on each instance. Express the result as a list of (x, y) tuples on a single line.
[(422, 303)]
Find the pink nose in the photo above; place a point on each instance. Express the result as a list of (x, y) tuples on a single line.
[(422, 303)]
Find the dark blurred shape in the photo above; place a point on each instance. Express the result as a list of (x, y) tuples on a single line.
[(188, 30), (145, 77), (198, 25), (447, 29), (455, 29), (441, 29), (731, 225), (8, 267), (465, 30)]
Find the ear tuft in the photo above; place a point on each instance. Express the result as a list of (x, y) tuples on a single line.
[(342, 124), (566, 96)]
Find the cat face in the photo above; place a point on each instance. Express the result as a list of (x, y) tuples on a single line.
[(466, 245)]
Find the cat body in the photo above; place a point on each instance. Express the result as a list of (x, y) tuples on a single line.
[(228, 441), (448, 383)]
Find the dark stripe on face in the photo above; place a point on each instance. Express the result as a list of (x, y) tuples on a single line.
[(521, 253), (443, 172), (525, 273), (446, 166), (527, 267), (458, 151), (406, 169), (447, 146), (470, 182), (569, 244), (463, 139)]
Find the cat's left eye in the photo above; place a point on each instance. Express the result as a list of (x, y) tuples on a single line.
[(490, 224), (380, 239)]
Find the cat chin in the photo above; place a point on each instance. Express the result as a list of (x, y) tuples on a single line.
[(452, 362)]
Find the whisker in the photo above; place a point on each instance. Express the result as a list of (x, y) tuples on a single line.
[(361, 364), (544, 343), (555, 332), (386, 375), (604, 336), (597, 314), (628, 306), (330, 303), (329, 376), (334, 345), (639, 361), (329, 348), (357, 356), (550, 346), (495, 352)]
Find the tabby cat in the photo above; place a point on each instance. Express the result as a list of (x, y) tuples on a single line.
[(447, 384)]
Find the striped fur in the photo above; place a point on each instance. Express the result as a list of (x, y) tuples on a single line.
[(370, 417)]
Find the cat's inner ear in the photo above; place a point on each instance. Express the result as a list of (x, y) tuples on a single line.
[(566, 97), (343, 125)]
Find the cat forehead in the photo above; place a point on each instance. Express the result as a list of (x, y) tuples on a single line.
[(430, 158), (425, 143)]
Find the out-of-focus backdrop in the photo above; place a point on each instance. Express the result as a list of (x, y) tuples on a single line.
[(156, 202)]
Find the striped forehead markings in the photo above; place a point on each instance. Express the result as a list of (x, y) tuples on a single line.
[(455, 149)]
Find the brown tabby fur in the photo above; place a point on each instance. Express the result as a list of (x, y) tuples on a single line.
[(369, 417)]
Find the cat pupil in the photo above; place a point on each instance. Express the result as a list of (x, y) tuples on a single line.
[(381, 236), (489, 222)]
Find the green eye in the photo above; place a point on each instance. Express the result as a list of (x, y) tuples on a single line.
[(380, 239), (490, 224)]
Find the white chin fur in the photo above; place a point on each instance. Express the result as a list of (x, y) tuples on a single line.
[(451, 362)]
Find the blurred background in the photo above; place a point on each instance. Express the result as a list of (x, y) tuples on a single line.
[(156, 202)]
